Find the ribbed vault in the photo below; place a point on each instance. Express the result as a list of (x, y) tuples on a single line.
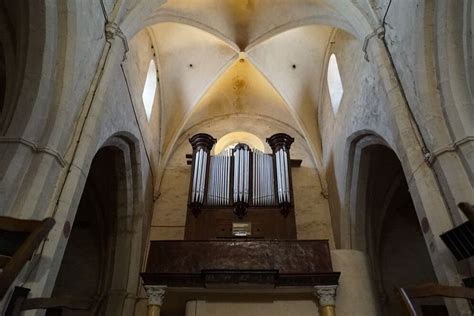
[(221, 58)]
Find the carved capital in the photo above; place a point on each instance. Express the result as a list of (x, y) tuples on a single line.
[(156, 294), (326, 294)]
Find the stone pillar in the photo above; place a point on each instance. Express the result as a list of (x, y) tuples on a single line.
[(326, 295), (156, 294)]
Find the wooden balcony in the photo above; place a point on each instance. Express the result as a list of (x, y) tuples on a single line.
[(239, 263)]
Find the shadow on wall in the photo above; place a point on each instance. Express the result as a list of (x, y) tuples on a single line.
[(3, 78), (381, 220), (88, 262), (392, 236), (334, 204)]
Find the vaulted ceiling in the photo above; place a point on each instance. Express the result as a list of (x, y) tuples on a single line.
[(224, 57)]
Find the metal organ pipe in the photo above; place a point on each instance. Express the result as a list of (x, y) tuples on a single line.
[(280, 144), (222, 183), (241, 175), (198, 172), (267, 181), (193, 187), (199, 176), (263, 193), (264, 180), (210, 190), (280, 175), (202, 145), (203, 177), (268, 169), (219, 180), (246, 175), (278, 167), (236, 173), (286, 174), (254, 179)]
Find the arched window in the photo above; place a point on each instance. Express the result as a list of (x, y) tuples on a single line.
[(334, 83), (229, 141), (149, 90)]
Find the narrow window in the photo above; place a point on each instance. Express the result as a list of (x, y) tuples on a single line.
[(149, 90), (334, 83)]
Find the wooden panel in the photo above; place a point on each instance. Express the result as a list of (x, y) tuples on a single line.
[(304, 256), (239, 262), (215, 223)]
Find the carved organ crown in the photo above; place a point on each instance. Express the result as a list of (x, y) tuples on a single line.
[(240, 178)]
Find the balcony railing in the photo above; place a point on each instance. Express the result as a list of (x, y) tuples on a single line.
[(216, 263)]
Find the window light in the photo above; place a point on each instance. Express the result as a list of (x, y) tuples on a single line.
[(334, 83), (149, 90)]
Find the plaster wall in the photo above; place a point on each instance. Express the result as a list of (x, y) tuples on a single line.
[(361, 109)]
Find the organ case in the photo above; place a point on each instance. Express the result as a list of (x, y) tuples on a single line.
[(240, 186)]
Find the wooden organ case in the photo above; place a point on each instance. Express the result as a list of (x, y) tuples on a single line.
[(240, 193)]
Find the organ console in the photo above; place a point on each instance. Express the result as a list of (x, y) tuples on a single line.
[(241, 179)]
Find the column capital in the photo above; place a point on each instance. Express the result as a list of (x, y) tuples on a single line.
[(156, 294), (202, 140), (326, 294)]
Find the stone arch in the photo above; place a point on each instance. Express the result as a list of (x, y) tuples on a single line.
[(22, 38), (233, 138), (454, 45), (383, 221), (132, 228), (111, 204)]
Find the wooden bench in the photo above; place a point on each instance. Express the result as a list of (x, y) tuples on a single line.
[(19, 239), (459, 240), (430, 290)]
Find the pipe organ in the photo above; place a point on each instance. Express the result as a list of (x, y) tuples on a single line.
[(240, 179), (240, 229), (263, 189)]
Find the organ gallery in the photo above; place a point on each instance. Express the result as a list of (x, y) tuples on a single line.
[(240, 229)]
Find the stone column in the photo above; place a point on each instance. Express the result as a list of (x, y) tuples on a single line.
[(156, 294), (326, 295)]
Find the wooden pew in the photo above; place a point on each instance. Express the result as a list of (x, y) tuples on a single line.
[(18, 241)]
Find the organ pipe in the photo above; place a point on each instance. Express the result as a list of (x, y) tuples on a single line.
[(280, 144), (202, 145), (241, 177)]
